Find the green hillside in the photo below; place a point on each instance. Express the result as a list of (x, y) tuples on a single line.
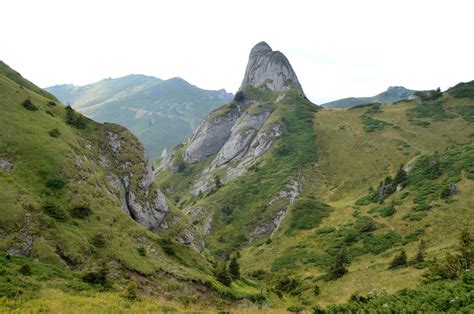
[(65, 238), (161, 113), (342, 157)]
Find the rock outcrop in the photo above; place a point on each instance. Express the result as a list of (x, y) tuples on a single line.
[(242, 135), (210, 136), (268, 68), (132, 183)]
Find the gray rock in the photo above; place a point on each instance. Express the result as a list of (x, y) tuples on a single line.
[(150, 214), (6, 165), (206, 229), (265, 139), (114, 141), (268, 68), (242, 135), (210, 136)]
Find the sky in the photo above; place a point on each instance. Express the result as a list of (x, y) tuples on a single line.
[(337, 48)]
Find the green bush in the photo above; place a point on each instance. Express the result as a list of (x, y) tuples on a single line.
[(99, 240), (97, 278), (28, 105), (239, 96), (307, 213), (81, 211), (141, 251), (56, 183), (25, 270), (54, 133), (167, 246), (54, 211), (75, 119)]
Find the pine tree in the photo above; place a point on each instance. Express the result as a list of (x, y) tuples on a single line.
[(399, 260), (234, 268), (338, 269), (223, 275), (420, 255)]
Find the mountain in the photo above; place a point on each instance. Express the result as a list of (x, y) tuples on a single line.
[(81, 214), (391, 95), (273, 203), (317, 203), (161, 113)]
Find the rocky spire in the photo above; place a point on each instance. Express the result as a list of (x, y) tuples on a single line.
[(269, 68)]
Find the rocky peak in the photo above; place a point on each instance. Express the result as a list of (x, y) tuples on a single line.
[(268, 68)]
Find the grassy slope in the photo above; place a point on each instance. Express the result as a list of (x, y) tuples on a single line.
[(67, 243), (350, 160)]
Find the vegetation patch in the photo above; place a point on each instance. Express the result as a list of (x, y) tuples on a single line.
[(307, 213)]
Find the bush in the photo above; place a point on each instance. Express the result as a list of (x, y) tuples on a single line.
[(168, 247), (54, 133), (239, 96), (234, 268), (286, 284), (99, 240), (131, 292), (307, 214), (51, 104), (223, 276), (98, 278), (25, 270), (54, 211), (75, 119), (338, 269), (29, 105), (81, 211), (399, 261), (141, 251), (56, 183)]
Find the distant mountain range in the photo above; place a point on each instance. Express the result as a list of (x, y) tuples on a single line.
[(161, 113), (391, 95)]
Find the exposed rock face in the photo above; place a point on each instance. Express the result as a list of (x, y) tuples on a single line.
[(268, 68), (6, 165), (210, 136), (132, 184), (242, 134)]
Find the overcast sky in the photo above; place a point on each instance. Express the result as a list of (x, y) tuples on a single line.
[(337, 48)]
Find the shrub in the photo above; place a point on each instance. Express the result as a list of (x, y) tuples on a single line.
[(338, 269), (141, 251), (51, 104), (131, 292), (286, 284), (420, 255), (167, 246), (81, 211), (75, 119), (239, 96), (307, 214), (316, 291), (54, 211), (99, 240), (399, 261), (25, 270), (56, 183), (54, 133), (223, 275), (234, 268), (98, 278), (29, 105)]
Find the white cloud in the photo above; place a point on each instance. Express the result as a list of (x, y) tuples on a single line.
[(338, 48)]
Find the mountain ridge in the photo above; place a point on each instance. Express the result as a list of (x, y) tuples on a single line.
[(162, 113), (391, 95)]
